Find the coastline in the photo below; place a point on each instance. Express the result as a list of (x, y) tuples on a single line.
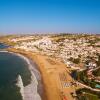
[(36, 77), (50, 74), (50, 84), (31, 90), (50, 70)]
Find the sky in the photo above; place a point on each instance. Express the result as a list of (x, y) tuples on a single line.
[(49, 16)]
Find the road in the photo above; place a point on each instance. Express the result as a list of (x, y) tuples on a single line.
[(88, 87)]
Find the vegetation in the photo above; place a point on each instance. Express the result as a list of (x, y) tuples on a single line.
[(82, 77), (97, 72), (86, 94), (76, 61), (98, 62), (38, 48)]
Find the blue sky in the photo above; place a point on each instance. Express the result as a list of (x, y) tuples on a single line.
[(28, 16)]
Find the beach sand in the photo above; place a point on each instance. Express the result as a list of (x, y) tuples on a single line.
[(51, 69)]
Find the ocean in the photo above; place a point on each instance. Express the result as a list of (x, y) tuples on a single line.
[(10, 67)]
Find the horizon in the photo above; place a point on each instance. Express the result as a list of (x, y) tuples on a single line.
[(60, 33), (49, 16)]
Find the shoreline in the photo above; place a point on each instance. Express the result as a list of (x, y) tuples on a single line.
[(34, 80), (50, 70), (31, 90)]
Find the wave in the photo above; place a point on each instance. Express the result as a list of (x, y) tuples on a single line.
[(29, 92)]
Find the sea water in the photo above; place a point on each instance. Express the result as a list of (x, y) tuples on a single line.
[(10, 67)]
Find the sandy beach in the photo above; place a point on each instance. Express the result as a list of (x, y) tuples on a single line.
[(51, 71)]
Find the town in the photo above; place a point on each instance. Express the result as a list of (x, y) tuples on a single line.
[(80, 53)]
